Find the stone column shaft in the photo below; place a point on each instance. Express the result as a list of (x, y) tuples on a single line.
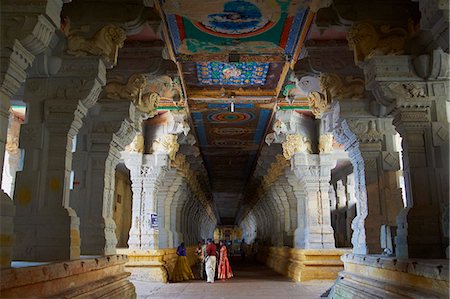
[(314, 228), (47, 228)]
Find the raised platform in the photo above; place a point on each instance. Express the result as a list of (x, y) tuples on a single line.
[(304, 264), (371, 276), (101, 277), (154, 265)]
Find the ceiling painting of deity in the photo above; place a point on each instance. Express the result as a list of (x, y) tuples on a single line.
[(244, 26)]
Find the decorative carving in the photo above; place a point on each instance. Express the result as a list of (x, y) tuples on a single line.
[(366, 42), (130, 91), (326, 143), (148, 103), (12, 144), (137, 145), (317, 103), (333, 87), (167, 144), (295, 144), (366, 131), (276, 170), (280, 127), (105, 42), (409, 90)]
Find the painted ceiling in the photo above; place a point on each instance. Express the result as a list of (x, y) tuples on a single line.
[(229, 142), (236, 51)]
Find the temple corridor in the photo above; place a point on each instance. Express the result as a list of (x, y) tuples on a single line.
[(311, 137), (252, 280)]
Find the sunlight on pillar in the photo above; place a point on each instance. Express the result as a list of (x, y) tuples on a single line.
[(401, 178)]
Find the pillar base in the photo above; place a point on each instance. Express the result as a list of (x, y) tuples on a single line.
[(7, 238), (102, 277), (50, 236), (154, 265), (375, 276), (304, 264)]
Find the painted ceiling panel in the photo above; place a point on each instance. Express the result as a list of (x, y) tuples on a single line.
[(220, 73), (245, 26)]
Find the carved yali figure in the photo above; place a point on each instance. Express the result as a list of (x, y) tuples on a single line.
[(326, 143), (334, 88), (105, 42), (366, 42), (166, 144), (130, 91)]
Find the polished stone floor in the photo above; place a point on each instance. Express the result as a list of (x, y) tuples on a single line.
[(250, 281)]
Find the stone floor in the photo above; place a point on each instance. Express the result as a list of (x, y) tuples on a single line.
[(250, 281)]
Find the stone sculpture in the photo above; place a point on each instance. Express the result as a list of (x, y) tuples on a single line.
[(334, 88), (296, 143), (366, 42)]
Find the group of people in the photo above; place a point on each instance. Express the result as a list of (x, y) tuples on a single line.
[(209, 258)]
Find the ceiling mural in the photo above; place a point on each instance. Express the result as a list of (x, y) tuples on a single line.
[(220, 73), (244, 26)]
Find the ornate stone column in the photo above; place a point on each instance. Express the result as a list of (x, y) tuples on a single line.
[(110, 129), (47, 228), (420, 109), (314, 229), (27, 29), (147, 172)]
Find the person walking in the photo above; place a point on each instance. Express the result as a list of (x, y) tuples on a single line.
[(182, 270), (210, 261), (224, 264)]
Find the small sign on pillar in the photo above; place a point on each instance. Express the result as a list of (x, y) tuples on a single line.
[(154, 220)]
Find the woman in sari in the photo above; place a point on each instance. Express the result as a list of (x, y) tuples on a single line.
[(224, 271), (182, 270)]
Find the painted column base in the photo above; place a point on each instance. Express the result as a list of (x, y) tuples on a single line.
[(102, 277), (304, 264), (154, 265), (370, 276)]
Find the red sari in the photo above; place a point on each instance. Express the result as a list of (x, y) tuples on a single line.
[(224, 265)]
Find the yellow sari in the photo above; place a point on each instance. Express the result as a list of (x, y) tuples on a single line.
[(182, 271)]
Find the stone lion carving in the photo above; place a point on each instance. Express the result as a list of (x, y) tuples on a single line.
[(130, 91), (326, 143), (317, 103), (105, 42), (296, 144), (166, 144), (366, 42), (333, 87), (12, 144)]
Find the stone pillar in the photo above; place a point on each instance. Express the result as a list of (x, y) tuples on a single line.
[(341, 207), (420, 110), (313, 173), (147, 172), (24, 35), (47, 228), (351, 206), (111, 129)]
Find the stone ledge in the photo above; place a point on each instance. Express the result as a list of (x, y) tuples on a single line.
[(97, 277), (371, 276), (304, 264), (154, 265)]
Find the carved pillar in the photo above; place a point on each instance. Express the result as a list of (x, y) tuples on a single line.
[(420, 110), (27, 29), (314, 229), (341, 207), (351, 206), (109, 131), (47, 228), (147, 172)]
